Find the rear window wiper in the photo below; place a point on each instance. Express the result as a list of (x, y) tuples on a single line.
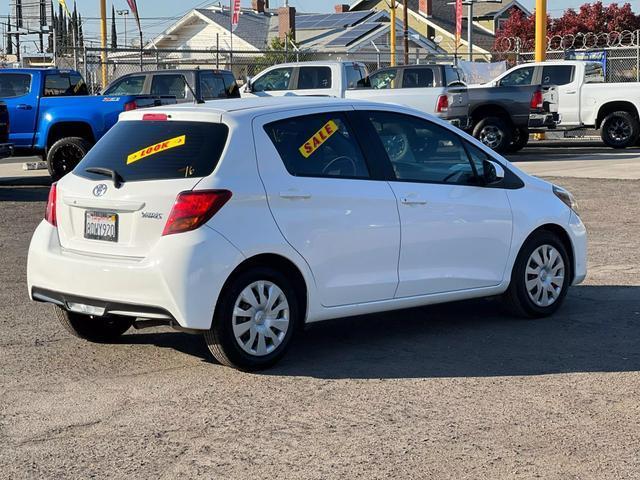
[(107, 172)]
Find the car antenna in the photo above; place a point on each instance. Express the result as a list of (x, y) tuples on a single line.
[(196, 100)]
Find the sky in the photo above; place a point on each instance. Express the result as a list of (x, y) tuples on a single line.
[(157, 15)]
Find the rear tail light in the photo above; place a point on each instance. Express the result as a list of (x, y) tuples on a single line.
[(50, 213), (193, 209), (537, 100), (443, 104), (130, 106)]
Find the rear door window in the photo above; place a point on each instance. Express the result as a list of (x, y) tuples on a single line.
[(14, 84), (212, 86), (312, 78), (521, 76), (320, 145), (64, 84), (127, 86), (557, 75), (417, 78), (384, 79), (143, 150), (169, 84)]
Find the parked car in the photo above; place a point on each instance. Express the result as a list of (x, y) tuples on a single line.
[(246, 219), (351, 80), (503, 116), (52, 114), (585, 99), (206, 84), (6, 148)]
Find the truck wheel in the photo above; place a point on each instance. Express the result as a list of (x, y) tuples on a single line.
[(65, 154), (620, 130), (494, 133), (519, 140)]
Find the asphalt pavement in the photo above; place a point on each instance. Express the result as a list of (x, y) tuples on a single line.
[(459, 391)]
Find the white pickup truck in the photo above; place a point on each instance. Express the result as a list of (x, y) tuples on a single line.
[(585, 99), (433, 89)]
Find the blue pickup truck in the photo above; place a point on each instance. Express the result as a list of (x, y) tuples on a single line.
[(53, 115)]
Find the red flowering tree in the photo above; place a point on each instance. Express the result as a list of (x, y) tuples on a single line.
[(590, 18)]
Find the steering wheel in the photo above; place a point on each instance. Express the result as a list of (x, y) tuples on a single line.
[(396, 145), (349, 160)]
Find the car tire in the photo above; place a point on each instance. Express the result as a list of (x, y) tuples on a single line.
[(620, 130), (258, 339), (519, 140), (93, 329), (65, 154), (531, 292), (494, 133)]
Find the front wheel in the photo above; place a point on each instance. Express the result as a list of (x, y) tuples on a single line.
[(620, 130), (255, 320), (540, 277), (494, 133), (91, 328), (65, 154)]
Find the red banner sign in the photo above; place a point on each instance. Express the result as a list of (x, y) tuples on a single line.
[(235, 15), (458, 22)]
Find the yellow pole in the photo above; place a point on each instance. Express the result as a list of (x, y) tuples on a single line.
[(541, 41), (541, 30), (103, 40), (393, 33)]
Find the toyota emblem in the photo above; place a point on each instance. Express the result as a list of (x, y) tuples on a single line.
[(100, 190)]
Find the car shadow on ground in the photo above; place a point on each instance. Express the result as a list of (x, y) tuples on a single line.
[(597, 330), (25, 193)]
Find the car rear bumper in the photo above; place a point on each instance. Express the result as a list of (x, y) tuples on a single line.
[(6, 150), (179, 280), (543, 120)]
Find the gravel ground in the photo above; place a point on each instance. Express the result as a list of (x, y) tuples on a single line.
[(458, 391)]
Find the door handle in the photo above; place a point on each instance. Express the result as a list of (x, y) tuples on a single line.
[(412, 201), (572, 92), (294, 195), (23, 106)]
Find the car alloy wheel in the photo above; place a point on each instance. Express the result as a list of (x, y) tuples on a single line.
[(491, 136), (260, 318), (545, 275)]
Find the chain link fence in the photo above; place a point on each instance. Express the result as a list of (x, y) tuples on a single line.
[(244, 64)]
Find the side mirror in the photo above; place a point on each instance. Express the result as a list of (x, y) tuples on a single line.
[(248, 86), (493, 172)]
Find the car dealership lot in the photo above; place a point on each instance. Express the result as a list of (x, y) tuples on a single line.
[(453, 391)]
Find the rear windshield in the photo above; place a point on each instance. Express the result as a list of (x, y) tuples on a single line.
[(157, 150)]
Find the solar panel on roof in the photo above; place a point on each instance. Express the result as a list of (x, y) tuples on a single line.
[(353, 34), (332, 20)]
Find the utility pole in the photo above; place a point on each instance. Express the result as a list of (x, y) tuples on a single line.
[(541, 30), (392, 40), (103, 40), (125, 14), (406, 32)]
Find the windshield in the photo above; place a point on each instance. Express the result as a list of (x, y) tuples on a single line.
[(157, 150)]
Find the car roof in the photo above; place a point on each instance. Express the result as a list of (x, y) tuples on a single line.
[(214, 109)]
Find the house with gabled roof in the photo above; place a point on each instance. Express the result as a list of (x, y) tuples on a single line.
[(436, 20)]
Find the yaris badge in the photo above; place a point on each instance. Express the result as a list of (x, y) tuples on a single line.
[(100, 190)]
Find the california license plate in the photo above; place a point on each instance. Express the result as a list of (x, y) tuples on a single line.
[(101, 226)]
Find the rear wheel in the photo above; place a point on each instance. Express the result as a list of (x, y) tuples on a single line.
[(255, 320), (94, 329), (494, 133), (65, 154), (519, 140), (620, 130), (540, 277)]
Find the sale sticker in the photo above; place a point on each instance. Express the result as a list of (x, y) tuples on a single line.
[(157, 148), (318, 138)]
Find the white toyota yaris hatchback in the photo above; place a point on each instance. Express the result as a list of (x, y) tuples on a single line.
[(246, 219)]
